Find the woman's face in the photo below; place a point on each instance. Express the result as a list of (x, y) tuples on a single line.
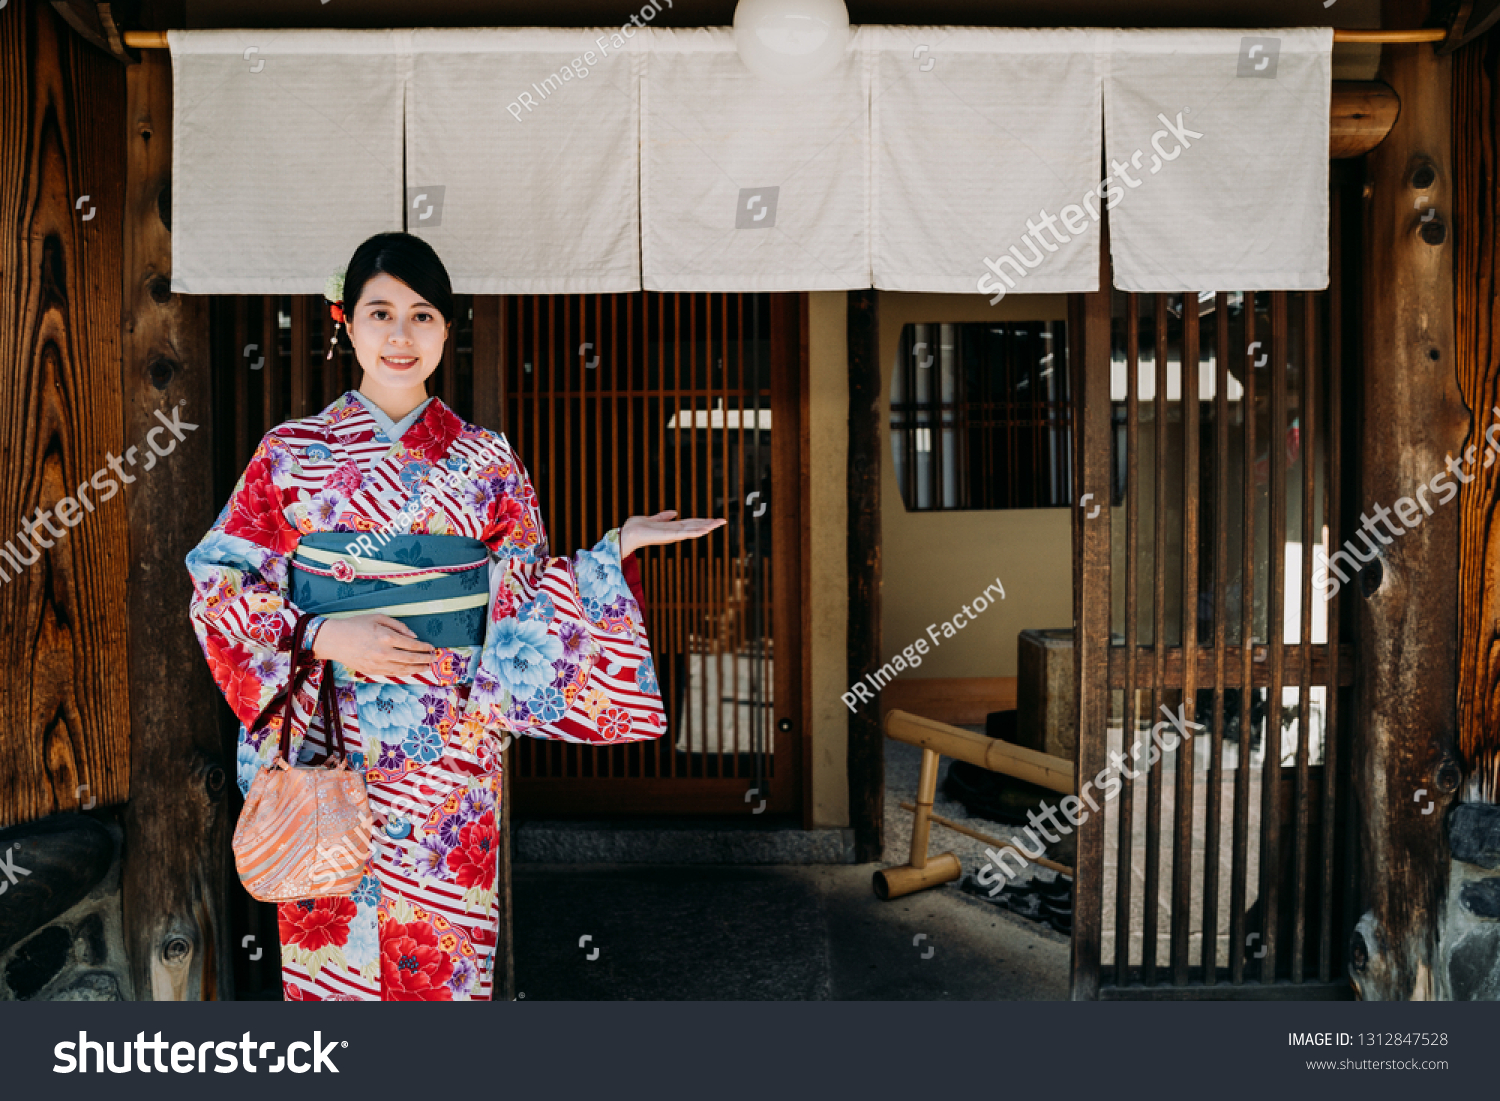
[(397, 335)]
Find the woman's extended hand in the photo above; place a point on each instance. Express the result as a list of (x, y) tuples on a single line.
[(375, 645), (647, 531)]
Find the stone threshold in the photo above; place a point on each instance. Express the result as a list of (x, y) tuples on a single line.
[(678, 841)]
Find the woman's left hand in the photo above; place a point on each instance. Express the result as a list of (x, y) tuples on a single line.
[(647, 531)]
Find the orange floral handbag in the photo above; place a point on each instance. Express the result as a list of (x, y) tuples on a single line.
[(305, 831)]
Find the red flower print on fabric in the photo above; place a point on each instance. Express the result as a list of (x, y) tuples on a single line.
[(434, 432), (257, 512), (266, 627), (614, 722), (230, 666), (472, 860), (505, 604), (413, 966), (345, 480), (315, 923), (505, 523)]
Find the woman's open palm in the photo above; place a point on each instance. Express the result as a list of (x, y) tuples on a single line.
[(648, 531)]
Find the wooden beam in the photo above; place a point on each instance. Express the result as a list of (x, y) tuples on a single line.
[(177, 823), (1413, 418), (866, 753), (489, 411), (804, 556), (783, 721), (1361, 115), (1173, 665)]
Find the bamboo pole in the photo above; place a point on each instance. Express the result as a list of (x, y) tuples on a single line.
[(1392, 38), (922, 813), (892, 883), (157, 40), (989, 839), (993, 754)]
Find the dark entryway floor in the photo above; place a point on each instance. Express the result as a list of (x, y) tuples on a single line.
[(770, 932)]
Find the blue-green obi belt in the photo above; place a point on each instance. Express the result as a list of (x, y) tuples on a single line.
[(438, 585)]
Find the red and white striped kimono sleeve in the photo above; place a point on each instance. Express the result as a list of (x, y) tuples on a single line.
[(566, 655), (240, 609)]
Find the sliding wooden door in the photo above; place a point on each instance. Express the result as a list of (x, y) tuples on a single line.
[(624, 405)]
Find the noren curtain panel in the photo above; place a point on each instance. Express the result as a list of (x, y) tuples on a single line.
[(942, 159)]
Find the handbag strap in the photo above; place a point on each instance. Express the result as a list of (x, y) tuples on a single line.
[(302, 667)]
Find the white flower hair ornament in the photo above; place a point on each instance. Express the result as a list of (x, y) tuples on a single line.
[(333, 291)]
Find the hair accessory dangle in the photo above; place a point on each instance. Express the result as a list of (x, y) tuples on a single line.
[(333, 291)]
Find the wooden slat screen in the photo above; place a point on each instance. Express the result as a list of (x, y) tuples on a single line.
[(1225, 862)]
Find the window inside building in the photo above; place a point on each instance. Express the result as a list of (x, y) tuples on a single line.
[(980, 416)]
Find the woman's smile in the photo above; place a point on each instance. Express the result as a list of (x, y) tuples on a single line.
[(398, 362)]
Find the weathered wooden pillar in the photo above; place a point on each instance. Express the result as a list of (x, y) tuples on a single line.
[(1413, 420), (177, 828), (1089, 359), (64, 643), (1476, 97), (62, 622), (1469, 938), (866, 754)]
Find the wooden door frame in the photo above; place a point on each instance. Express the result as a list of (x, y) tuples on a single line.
[(865, 754), (1089, 355)]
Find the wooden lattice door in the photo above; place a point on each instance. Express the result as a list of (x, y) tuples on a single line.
[(625, 405)]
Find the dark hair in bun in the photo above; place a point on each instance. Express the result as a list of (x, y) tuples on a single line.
[(405, 257)]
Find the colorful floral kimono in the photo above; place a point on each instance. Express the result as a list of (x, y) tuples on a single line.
[(564, 655)]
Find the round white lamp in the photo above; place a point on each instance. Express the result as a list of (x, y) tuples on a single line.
[(791, 41)]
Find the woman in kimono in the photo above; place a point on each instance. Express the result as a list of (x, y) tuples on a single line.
[(522, 643)]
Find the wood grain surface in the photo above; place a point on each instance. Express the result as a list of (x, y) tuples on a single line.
[(1476, 217), (1412, 417), (64, 714)]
